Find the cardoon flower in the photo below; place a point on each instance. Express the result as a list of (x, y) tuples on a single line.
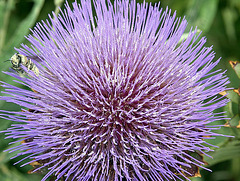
[(118, 95)]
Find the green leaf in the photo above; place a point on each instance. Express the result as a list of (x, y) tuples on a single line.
[(233, 96), (202, 13), (234, 122), (232, 107), (236, 67), (226, 152), (6, 156), (197, 179), (13, 174), (229, 17)]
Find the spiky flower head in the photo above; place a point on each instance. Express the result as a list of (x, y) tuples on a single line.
[(117, 96)]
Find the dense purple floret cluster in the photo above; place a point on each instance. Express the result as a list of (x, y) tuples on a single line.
[(119, 95)]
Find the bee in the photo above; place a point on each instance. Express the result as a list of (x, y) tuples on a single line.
[(19, 60)]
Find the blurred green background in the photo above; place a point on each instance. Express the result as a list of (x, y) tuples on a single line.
[(218, 19)]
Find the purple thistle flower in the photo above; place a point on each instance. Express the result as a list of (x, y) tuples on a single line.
[(118, 95)]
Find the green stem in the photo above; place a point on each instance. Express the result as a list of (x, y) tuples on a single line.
[(3, 31)]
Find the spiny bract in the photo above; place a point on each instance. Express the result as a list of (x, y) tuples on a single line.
[(118, 96)]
